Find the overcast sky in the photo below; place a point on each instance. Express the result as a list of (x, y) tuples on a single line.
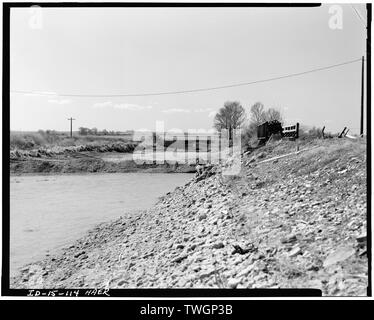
[(95, 51)]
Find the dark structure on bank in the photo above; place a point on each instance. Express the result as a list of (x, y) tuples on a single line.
[(269, 128)]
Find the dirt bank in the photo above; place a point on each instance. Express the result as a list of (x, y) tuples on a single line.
[(84, 159), (297, 221), (87, 164)]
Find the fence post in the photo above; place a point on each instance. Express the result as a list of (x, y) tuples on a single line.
[(197, 149), (219, 147), (186, 147), (341, 134), (154, 147), (297, 131), (208, 143)]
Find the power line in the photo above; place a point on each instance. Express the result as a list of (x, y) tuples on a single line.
[(359, 15), (190, 90)]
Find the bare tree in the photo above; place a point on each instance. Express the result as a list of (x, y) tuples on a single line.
[(257, 114), (230, 116), (273, 114)]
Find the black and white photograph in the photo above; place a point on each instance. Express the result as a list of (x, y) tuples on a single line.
[(160, 149)]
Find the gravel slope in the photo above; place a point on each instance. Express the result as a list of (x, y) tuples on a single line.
[(298, 221)]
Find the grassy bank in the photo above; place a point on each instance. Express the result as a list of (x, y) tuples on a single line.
[(57, 153), (52, 139), (84, 164)]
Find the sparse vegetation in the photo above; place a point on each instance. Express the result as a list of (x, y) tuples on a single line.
[(95, 132), (26, 140), (313, 133), (51, 138), (258, 114)]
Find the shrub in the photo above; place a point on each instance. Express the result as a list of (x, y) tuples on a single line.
[(313, 133), (249, 136), (26, 140)]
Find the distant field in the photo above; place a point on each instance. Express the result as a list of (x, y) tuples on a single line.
[(30, 140), (27, 140)]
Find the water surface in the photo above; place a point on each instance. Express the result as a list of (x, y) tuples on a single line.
[(49, 212)]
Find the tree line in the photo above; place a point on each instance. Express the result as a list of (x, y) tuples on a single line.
[(94, 131), (233, 116)]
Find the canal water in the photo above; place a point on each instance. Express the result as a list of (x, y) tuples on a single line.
[(49, 212)]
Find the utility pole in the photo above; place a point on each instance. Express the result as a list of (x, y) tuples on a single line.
[(368, 68), (71, 126), (362, 98)]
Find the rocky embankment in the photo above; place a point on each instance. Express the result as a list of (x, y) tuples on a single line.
[(83, 159), (293, 222)]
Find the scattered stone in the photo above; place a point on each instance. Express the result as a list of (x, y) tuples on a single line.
[(340, 254), (232, 283), (218, 245), (289, 239), (246, 271), (361, 239), (180, 258), (202, 215), (121, 283), (240, 250), (79, 254), (192, 247), (294, 252)]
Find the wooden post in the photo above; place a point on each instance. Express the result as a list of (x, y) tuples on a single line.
[(186, 147), (71, 126), (297, 130), (219, 147), (154, 146), (323, 132), (341, 134), (197, 149), (208, 144)]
